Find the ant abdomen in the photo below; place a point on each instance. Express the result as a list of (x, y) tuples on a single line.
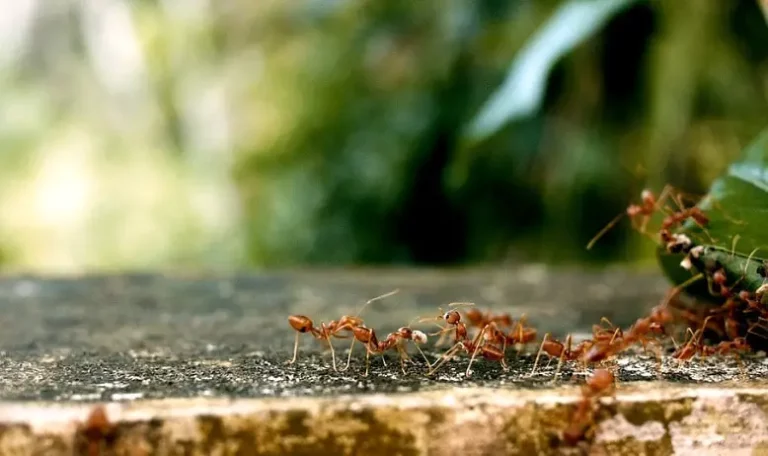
[(300, 323)]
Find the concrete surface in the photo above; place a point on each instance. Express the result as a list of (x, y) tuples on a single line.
[(189, 365)]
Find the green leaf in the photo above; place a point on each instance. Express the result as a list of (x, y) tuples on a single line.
[(521, 93), (736, 236)]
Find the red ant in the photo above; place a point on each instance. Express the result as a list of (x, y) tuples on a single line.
[(692, 347), (480, 319), (96, 432), (453, 320), (738, 344), (648, 206), (487, 351), (393, 340), (479, 344), (601, 383), (302, 324), (564, 352), (521, 334)]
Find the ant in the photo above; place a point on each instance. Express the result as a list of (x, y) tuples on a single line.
[(478, 344), (650, 325), (480, 319), (564, 352), (96, 432), (303, 324), (521, 335), (600, 383), (648, 206), (692, 347), (453, 320), (393, 340), (738, 344)]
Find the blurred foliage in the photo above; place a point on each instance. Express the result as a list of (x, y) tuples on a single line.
[(270, 133)]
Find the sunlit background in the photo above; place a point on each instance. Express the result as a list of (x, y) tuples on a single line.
[(193, 134)]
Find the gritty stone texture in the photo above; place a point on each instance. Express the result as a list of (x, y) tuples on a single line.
[(195, 365)]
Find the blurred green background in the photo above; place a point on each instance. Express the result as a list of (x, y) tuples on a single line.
[(194, 134)]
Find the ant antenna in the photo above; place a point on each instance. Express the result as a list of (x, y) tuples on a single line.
[(461, 304), (733, 246), (749, 259), (662, 196), (676, 290), (377, 298), (538, 354), (605, 229), (566, 347)]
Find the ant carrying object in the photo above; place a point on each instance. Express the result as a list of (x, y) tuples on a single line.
[(367, 337), (303, 324)]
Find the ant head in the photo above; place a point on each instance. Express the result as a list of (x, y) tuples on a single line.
[(647, 196), (745, 295), (452, 317), (719, 277), (634, 210), (300, 323), (419, 337), (405, 332)]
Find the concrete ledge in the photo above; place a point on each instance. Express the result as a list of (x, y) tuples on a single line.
[(643, 418)]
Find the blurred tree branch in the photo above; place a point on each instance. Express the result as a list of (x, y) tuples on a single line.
[(764, 7)]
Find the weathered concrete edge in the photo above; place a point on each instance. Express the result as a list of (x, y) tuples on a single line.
[(647, 418)]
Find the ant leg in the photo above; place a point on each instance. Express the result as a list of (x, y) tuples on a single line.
[(367, 360), (615, 333), (349, 358), (520, 327), (295, 350), (424, 355), (659, 361), (477, 347), (443, 359), (444, 330), (538, 354), (402, 358), (504, 346), (665, 192), (333, 354), (562, 355)]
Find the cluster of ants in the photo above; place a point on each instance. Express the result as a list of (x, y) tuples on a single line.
[(494, 333)]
